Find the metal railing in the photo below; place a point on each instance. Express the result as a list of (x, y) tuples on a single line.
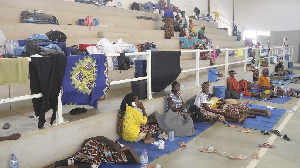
[(197, 68), (226, 63)]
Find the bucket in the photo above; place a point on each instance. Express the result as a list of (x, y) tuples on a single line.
[(290, 64), (212, 74), (287, 57), (140, 66), (219, 91), (84, 46)]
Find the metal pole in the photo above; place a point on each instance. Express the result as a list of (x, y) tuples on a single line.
[(60, 118), (226, 62), (208, 10), (246, 58), (197, 67), (149, 87)]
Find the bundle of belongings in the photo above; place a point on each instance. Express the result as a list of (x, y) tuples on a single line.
[(146, 46), (35, 44), (96, 2), (51, 42), (37, 16)]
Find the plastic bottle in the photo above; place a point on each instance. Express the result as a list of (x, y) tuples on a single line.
[(241, 94), (275, 90), (144, 158), (13, 162)]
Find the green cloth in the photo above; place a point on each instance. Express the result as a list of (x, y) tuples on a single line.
[(257, 56), (13, 70), (201, 32)]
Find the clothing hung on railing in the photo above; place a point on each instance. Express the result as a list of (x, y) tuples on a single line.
[(13, 70), (85, 80), (46, 75), (165, 68)]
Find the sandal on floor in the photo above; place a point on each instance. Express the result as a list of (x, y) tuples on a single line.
[(246, 130), (276, 132), (209, 150), (238, 157), (6, 126), (266, 145), (234, 125), (285, 137), (265, 132)]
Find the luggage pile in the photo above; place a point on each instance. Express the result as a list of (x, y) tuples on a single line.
[(39, 17)]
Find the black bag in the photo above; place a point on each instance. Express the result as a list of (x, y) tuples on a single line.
[(31, 48), (197, 116), (231, 94), (135, 6), (123, 62), (55, 35)]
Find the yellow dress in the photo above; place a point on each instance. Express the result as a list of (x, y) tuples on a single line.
[(132, 122)]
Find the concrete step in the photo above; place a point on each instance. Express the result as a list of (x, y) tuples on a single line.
[(198, 23), (60, 5), (166, 44), (71, 17), (125, 33), (229, 44)]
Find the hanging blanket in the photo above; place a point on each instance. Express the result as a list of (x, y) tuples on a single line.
[(13, 70), (165, 68), (85, 80)]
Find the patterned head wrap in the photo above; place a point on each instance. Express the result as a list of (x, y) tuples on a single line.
[(265, 71)]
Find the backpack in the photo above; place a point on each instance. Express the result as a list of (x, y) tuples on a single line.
[(55, 35), (123, 62), (31, 48), (88, 21)]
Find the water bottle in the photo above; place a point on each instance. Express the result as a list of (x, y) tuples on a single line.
[(13, 162), (144, 158), (275, 90), (241, 94)]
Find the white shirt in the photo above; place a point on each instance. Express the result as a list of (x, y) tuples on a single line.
[(201, 98)]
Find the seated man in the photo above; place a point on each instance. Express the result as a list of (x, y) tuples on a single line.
[(234, 86)]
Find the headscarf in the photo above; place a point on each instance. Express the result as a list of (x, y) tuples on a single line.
[(265, 72), (202, 26), (266, 60)]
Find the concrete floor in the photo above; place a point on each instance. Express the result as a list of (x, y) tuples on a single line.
[(220, 136), (231, 140)]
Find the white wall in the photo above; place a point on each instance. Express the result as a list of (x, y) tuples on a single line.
[(268, 15), (276, 38), (189, 5), (225, 8)]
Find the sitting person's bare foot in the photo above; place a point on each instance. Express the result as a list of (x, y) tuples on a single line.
[(242, 118), (268, 113), (149, 141)]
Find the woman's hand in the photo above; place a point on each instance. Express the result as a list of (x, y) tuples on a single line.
[(140, 105), (123, 148)]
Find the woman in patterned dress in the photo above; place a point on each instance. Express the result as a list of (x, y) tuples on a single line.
[(174, 100), (97, 150), (202, 101)]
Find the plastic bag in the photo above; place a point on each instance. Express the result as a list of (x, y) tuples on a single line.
[(104, 46), (2, 39), (10, 46)]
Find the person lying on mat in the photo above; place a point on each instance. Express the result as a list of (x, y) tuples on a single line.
[(280, 71), (202, 101), (174, 100), (133, 120), (234, 86), (97, 150), (14, 136)]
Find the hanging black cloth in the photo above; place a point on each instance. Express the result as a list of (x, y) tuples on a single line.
[(165, 67), (46, 75)]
